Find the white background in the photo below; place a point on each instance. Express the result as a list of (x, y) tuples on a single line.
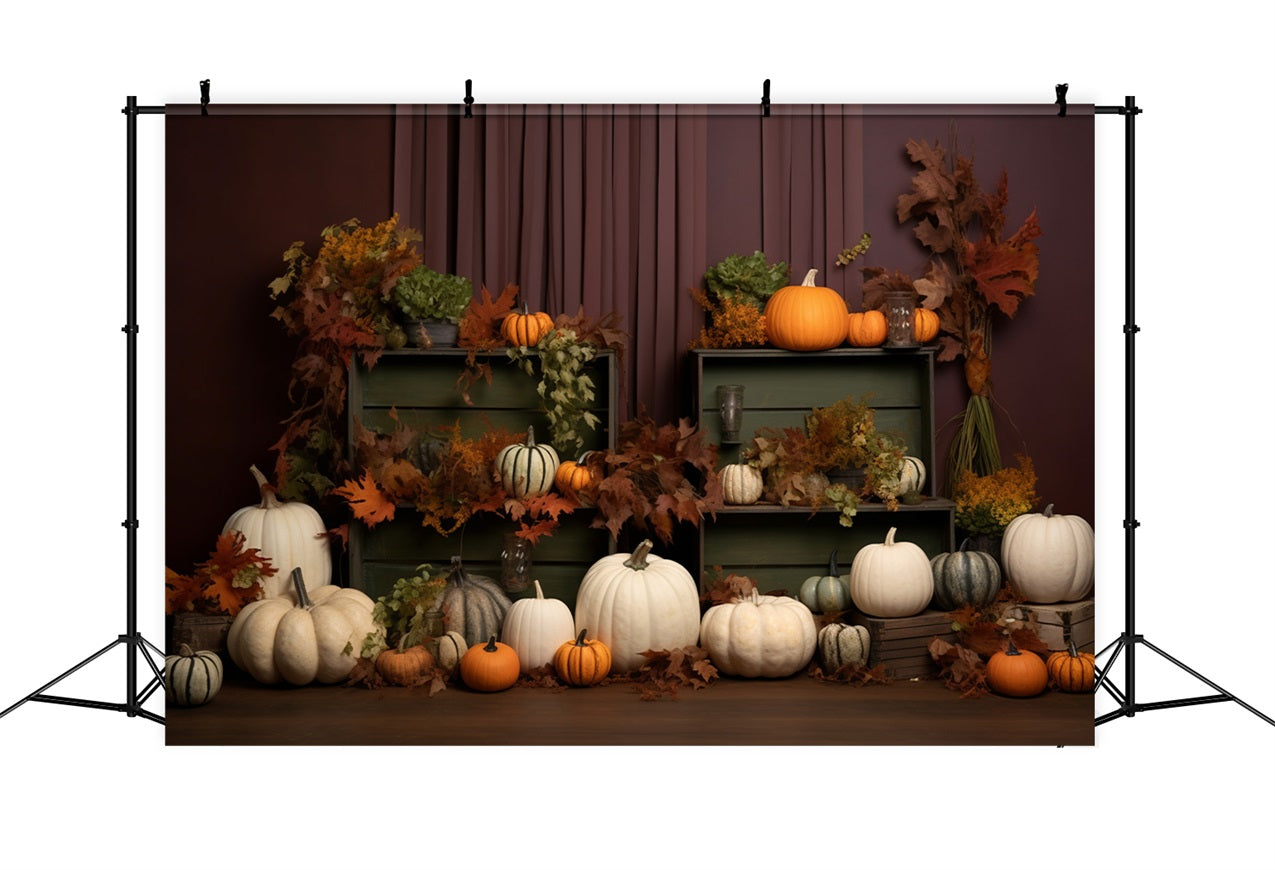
[(1180, 788)]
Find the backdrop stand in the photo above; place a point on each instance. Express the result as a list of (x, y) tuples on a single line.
[(1130, 640), (136, 645)]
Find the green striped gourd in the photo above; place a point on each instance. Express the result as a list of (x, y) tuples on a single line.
[(829, 593), (741, 484), (966, 577), (528, 468), (912, 475), (192, 678), (451, 647), (473, 605), (841, 644)]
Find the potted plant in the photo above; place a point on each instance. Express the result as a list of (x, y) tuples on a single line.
[(432, 303), (846, 445)]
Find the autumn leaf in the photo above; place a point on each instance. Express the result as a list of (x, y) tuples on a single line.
[(180, 591), (723, 590), (480, 325), (961, 669), (366, 500), (666, 671), (852, 674)]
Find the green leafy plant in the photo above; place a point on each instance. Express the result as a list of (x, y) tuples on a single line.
[(565, 388), (844, 500), (844, 435), (746, 278), (403, 616), (423, 294), (849, 255)]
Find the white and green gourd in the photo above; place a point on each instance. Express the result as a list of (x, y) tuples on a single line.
[(536, 627), (291, 534), (450, 648), (192, 678), (965, 578), (527, 469), (473, 605), (829, 593), (891, 579), (841, 645), (912, 475), (636, 602), (759, 635)]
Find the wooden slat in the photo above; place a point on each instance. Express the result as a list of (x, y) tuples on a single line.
[(475, 421), (787, 539), (483, 538), (560, 581)]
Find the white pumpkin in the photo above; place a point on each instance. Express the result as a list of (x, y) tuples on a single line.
[(841, 644), (635, 602), (303, 637), (759, 636), (536, 627), (451, 648), (527, 469), (741, 484), (892, 579), (912, 475), (290, 534), (192, 678), (1049, 557)]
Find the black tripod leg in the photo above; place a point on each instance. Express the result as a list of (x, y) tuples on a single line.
[(1256, 712), (53, 682)]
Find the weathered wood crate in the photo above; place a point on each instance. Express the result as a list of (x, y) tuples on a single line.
[(200, 632), (1056, 624), (902, 645)]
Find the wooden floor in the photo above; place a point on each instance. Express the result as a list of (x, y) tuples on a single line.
[(794, 711)]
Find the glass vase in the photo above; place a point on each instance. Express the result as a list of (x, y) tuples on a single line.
[(515, 563)]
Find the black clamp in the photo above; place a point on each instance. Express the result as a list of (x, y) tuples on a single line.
[(1131, 524), (204, 85), (765, 98), (130, 328), (129, 524), (1130, 330), (1060, 99), (469, 98)]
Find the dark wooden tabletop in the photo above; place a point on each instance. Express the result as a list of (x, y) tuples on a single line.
[(794, 711)]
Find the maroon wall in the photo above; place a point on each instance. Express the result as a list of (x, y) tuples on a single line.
[(239, 190)]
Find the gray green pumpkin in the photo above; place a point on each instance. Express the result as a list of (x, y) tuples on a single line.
[(528, 468), (192, 678), (841, 645), (966, 577), (474, 606), (829, 593)]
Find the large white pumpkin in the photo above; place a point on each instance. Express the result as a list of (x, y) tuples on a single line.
[(536, 627), (741, 484), (759, 636), (290, 534), (635, 602), (1049, 557), (302, 637), (892, 579)]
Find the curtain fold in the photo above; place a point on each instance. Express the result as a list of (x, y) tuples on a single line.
[(609, 208)]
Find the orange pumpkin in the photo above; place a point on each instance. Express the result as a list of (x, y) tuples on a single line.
[(1016, 674), (1071, 671), (573, 476), (866, 328), (403, 667), (925, 325), (582, 662), (806, 317), (490, 667), (524, 328)]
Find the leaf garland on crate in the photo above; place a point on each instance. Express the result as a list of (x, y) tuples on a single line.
[(222, 584), (656, 477), (338, 304)]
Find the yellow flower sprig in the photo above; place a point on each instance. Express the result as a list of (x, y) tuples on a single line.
[(987, 504)]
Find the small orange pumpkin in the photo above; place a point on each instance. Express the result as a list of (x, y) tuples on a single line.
[(866, 328), (490, 667), (573, 476), (1071, 671), (806, 317), (404, 667), (524, 328), (582, 662), (1016, 674), (925, 325)]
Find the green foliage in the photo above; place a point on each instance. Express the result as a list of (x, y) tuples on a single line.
[(565, 389), (400, 617), (746, 278), (849, 255), (843, 499), (423, 294)]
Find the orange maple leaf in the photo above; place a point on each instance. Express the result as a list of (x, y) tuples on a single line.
[(366, 500)]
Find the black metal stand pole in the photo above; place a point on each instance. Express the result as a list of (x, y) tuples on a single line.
[(1129, 640), (132, 640)]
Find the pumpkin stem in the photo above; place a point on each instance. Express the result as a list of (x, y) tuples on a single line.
[(1013, 650), (540, 596), (268, 499), (186, 652), (1049, 510), (1071, 648), (889, 536), (637, 561), (832, 564), (531, 436), (580, 639), (965, 542), (809, 280), (298, 583), (491, 645), (457, 574)]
